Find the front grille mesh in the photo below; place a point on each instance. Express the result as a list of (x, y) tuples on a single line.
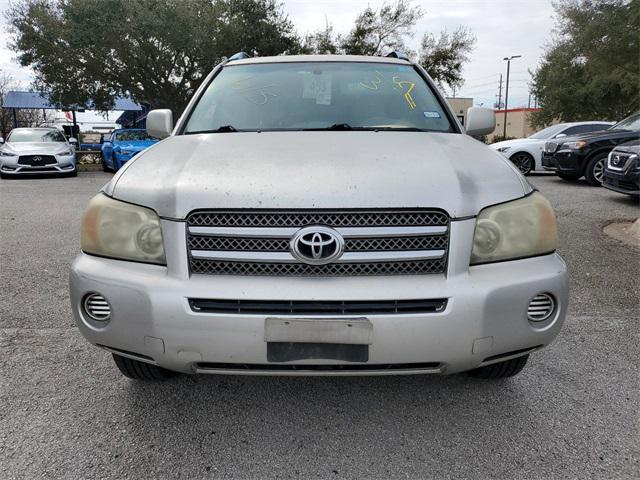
[(219, 242), (351, 245), (330, 270), (333, 219)]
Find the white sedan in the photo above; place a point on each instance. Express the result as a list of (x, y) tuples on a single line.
[(29, 151), (526, 153)]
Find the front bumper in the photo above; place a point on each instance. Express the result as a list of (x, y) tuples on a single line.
[(64, 164), (621, 182), (485, 315), (563, 161)]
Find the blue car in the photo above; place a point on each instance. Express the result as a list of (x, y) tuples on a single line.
[(123, 144)]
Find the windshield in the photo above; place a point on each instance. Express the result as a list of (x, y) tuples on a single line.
[(35, 135), (548, 132), (630, 123), (315, 96), (133, 135)]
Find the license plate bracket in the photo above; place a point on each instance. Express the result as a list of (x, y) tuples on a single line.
[(343, 331)]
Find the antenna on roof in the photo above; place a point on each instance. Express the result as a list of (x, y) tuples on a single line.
[(397, 54), (238, 56)]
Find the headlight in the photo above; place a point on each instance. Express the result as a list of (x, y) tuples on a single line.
[(4, 153), (503, 149), (111, 228), (579, 145), (66, 152), (522, 228)]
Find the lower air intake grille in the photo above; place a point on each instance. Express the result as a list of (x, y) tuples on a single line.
[(307, 307), (541, 307)]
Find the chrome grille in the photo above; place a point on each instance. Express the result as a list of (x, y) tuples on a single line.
[(282, 244), (405, 242), (619, 161)]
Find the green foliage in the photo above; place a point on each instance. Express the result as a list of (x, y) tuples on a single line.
[(159, 51), (156, 51), (591, 70), (383, 30), (321, 42), (444, 57)]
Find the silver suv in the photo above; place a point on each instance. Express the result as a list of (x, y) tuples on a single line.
[(319, 215)]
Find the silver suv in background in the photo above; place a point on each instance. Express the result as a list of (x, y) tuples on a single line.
[(29, 151), (319, 215)]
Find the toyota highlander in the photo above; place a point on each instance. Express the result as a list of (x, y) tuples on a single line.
[(319, 215)]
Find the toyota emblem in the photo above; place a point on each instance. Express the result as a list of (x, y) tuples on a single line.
[(317, 245)]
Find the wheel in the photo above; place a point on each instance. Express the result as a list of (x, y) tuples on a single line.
[(595, 170), (570, 177), (523, 161), (139, 370), (505, 369)]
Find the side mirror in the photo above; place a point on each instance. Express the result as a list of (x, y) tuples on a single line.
[(1, 140), (73, 141), (560, 135), (480, 121), (159, 123)]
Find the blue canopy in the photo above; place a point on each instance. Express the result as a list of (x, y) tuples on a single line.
[(34, 100)]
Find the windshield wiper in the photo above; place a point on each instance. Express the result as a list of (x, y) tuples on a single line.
[(222, 129), (346, 126), (335, 126)]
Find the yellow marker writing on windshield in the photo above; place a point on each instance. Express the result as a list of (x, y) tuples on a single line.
[(407, 93)]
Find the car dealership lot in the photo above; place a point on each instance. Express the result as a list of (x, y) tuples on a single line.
[(67, 412)]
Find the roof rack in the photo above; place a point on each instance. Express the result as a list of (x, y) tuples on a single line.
[(238, 56), (397, 54)]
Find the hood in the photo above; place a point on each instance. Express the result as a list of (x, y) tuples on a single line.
[(632, 147), (594, 136), (278, 170), (134, 144), (33, 148), (513, 142)]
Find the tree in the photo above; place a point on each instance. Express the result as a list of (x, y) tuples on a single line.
[(25, 118), (378, 31), (444, 57), (321, 42), (157, 51), (590, 70)]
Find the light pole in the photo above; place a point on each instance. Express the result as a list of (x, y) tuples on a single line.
[(506, 93)]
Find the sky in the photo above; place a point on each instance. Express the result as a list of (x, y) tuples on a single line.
[(502, 28)]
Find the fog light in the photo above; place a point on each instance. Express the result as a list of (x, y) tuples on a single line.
[(541, 307), (96, 307)]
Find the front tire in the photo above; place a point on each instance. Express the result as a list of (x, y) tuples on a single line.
[(523, 161), (594, 173), (505, 369), (137, 370)]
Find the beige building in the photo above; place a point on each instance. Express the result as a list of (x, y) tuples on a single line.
[(517, 123), (460, 105)]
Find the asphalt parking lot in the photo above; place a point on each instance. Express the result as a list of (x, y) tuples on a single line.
[(66, 412)]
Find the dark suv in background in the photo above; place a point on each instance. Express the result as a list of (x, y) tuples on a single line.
[(586, 155), (622, 173)]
